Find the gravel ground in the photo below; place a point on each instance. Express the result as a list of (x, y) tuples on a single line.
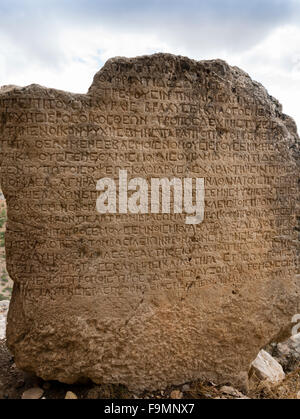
[(3, 314)]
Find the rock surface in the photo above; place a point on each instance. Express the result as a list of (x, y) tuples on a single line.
[(266, 368), (176, 394), (71, 396), (33, 393), (147, 300)]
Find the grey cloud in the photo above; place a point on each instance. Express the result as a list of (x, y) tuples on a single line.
[(232, 24), (201, 28)]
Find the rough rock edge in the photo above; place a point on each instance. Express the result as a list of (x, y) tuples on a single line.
[(237, 75), (237, 72), (233, 75)]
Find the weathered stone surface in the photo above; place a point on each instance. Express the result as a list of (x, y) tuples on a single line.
[(33, 393), (147, 300), (176, 394), (266, 368), (71, 396)]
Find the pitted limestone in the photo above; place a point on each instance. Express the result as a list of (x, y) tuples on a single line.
[(145, 299)]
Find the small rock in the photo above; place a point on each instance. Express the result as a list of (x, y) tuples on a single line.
[(266, 368), (4, 305), (33, 393), (70, 396), (186, 387), (176, 394), (232, 392)]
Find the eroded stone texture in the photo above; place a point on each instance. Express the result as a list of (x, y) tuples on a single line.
[(147, 300)]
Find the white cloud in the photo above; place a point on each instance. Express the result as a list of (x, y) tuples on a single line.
[(62, 44), (84, 54), (275, 62)]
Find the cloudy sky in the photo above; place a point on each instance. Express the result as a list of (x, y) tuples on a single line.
[(62, 43)]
